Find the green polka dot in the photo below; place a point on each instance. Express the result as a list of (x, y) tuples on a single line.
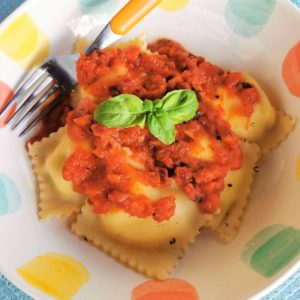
[(272, 249)]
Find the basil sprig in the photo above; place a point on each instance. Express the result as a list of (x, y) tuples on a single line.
[(160, 115)]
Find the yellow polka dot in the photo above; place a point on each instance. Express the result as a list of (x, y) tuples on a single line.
[(298, 168), (173, 4), (23, 42), (57, 275)]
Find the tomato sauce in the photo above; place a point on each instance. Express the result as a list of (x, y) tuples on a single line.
[(99, 167), (54, 120), (244, 90)]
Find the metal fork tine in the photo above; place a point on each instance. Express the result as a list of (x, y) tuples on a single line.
[(38, 76), (52, 89), (40, 116), (40, 90)]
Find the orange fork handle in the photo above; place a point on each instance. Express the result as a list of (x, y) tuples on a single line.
[(132, 13)]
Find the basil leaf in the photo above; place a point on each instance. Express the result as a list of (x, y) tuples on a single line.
[(181, 105), (161, 126), (148, 105), (157, 104), (121, 111), (128, 110)]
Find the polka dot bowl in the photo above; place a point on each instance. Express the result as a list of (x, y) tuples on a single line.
[(256, 36)]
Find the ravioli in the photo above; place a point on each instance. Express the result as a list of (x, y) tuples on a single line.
[(112, 75), (274, 136), (153, 248), (252, 128), (148, 232), (56, 195), (145, 245), (265, 121), (234, 197)]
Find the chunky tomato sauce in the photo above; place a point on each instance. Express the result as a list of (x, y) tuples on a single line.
[(54, 120), (99, 167)]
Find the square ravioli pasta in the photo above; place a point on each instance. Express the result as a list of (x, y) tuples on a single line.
[(140, 200), (153, 248), (143, 244), (56, 197)]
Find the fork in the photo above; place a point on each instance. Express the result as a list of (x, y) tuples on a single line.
[(57, 76)]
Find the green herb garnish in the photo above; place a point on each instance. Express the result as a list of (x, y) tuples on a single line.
[(160, 115)]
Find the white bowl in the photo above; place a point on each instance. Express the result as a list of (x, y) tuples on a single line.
[(252, 36)]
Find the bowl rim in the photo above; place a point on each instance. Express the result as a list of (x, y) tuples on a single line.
[(34, 293)]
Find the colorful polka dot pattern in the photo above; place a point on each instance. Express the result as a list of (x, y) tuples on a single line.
[(298, 168), (248, 17), (24, 43), (272, 249), (61, 276), (296, 2), (291, 70), (91, 3), (10, 198), (170, 5), (175, 289), (57, 275), (5, 95)]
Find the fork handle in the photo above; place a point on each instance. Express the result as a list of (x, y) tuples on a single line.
[(132, 13)]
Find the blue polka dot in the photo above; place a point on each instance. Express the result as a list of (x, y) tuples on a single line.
[(10, 199), (296, 2), (91, 3), (248, 17)]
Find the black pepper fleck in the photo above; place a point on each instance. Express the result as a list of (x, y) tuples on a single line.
[(85, 238), (169, 77), (199, 199), (243, 85), (171, 172), (229, 185), (219, 138), (246, 85), (184, 68), (173, 241), (256, 169), (114, 91), (226, 224)]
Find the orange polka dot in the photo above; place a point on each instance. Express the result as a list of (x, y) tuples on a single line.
[(291, 70), (172, 289), (6, 93)]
